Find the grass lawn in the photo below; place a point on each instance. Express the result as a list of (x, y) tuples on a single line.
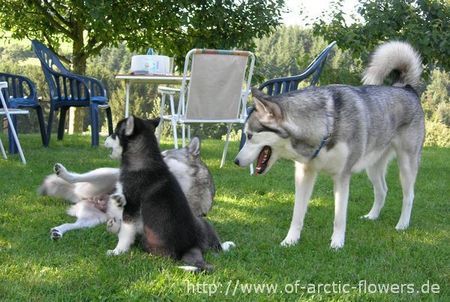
[(254, 212)]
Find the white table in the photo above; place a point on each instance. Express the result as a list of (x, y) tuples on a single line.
[(152, 79)]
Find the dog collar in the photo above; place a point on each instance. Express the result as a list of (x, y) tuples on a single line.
[(323, 142)]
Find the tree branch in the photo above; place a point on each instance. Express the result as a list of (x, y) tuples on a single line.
[(57, 14), (52, 20), (50, 46)]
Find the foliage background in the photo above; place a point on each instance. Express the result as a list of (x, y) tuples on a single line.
[(287, 51)]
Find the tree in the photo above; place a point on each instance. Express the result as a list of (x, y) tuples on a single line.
[(171, 26), (167, 25), (423, 23)]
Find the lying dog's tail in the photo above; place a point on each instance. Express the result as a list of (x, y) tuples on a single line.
[(395, 56)]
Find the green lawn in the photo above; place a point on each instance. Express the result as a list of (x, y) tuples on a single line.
[(254, 212)]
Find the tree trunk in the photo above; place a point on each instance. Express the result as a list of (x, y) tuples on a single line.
[(79, 61)]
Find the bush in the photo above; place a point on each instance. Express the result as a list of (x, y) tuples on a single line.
[(437, 134)]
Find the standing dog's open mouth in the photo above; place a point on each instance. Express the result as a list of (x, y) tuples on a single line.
[(263, 159)]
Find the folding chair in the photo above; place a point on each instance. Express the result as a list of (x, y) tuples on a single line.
[(9, 112), (217, 91)]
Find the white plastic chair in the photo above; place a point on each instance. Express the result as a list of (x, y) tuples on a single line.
[(8, 112), (217, 91)]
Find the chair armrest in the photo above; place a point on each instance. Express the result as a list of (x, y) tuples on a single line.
[(70, 87), (16, 86), (96, 87)]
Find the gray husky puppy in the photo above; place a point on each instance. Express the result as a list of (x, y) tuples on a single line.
[(90, 192), (342, 129)]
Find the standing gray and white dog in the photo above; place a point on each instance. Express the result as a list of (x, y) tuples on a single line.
[(342, 129), (90, 192)]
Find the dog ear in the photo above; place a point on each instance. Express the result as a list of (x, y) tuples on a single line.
[(155, 122), (266, 110), (194, 147), (129, 127)]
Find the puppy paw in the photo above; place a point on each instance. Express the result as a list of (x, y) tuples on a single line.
[(113, 225), (55, 234), (119, 200), (227, 245), (337, 242), (114, 252)]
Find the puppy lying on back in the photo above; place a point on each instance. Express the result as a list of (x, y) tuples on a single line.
[(156, 206)]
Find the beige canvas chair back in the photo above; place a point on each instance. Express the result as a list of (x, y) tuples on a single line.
[(216, 85)]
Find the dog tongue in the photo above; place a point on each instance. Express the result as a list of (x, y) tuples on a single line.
[(263, 159)]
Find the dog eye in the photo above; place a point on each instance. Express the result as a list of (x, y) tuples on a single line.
[(249, 136)]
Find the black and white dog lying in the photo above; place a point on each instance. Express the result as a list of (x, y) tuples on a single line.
[(155, 205), (90, 192)]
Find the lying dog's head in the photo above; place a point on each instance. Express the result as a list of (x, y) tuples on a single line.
[(264, 134), (188, 154), (131, 132)]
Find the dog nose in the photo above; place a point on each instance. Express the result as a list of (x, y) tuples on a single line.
[(236, 161)]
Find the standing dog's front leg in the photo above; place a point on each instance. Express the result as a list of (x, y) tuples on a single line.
[(304, 184), (341, 189)]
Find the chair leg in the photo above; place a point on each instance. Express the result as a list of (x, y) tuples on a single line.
[(3, 150), (62, 122), (189, 132), (12, 128), (175, 138), (161, 114), (183, 135), (40, 116), (49, 124), (12, 147), (94, 124), (225, 149), (109, 120), (174, 122)]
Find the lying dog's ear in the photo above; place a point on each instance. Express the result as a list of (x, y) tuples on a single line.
[(129, 127), (266, 110), (194, 146)]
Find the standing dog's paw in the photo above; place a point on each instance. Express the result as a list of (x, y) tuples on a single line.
[(55, 234), (290, 240), (370, 216), (401, 226), (119, 200), (337, 242), (113, 225)]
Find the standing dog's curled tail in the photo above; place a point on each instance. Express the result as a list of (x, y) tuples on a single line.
[(396, 56)]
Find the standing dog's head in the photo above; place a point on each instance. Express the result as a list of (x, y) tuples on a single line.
[(131, 132), (264, 134)]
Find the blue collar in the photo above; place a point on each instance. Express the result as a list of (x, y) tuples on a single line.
[(322, 144), (324, 141)]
